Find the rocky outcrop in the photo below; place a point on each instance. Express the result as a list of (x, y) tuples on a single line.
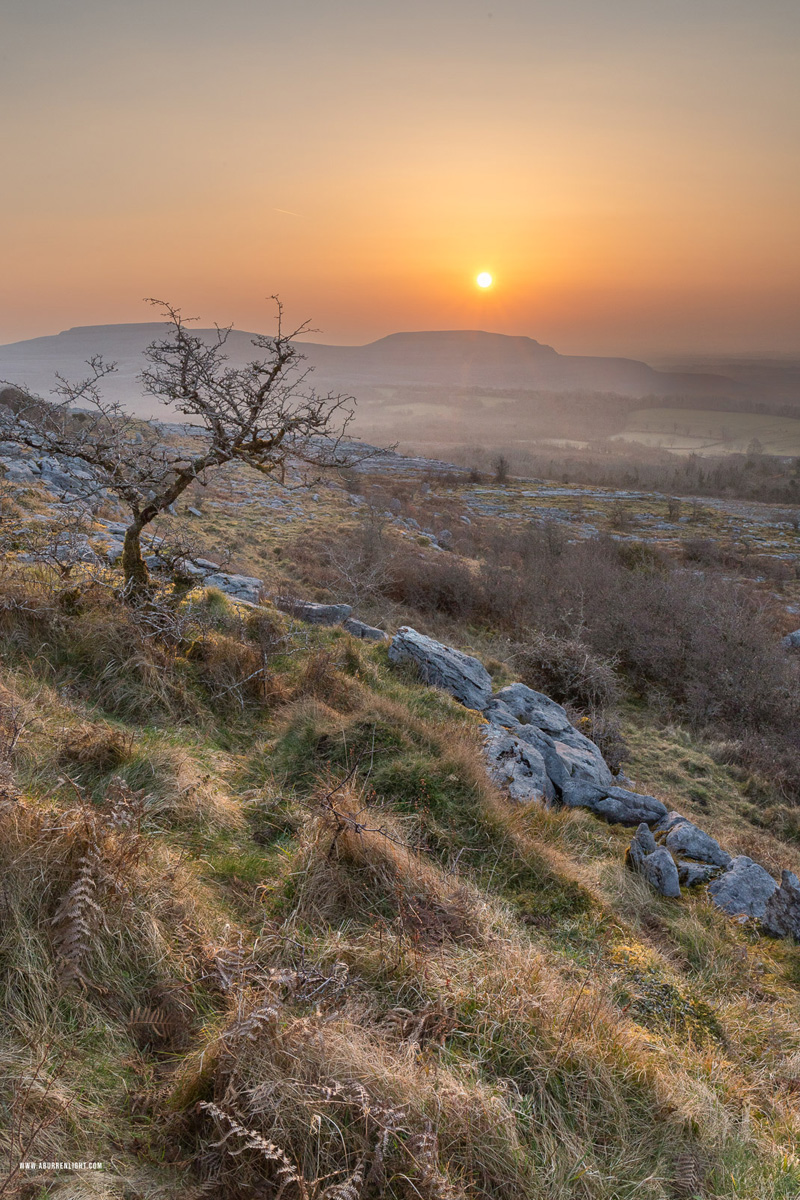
[(654, 862), (535, 754), (360, 629), (466, 679), (517, 767), (782, 911), (571, 760), (314, 614), (744, 888), (792, 640)]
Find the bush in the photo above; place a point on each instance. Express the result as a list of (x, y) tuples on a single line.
[(569, 671)]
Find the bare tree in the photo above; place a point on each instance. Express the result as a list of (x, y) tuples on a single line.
[(261, 414)]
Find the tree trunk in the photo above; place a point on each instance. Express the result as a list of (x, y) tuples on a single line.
[(137, 576)]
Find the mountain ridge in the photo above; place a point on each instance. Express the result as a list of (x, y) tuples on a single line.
[(449, 358)]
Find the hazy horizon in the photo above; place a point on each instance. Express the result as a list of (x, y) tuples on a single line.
[(627, 172)]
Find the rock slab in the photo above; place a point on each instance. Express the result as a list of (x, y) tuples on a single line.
[(314, 614), (615, 804), (466, 679), (687, 840), (744, 889)]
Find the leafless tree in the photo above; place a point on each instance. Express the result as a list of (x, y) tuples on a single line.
[(262, 414)]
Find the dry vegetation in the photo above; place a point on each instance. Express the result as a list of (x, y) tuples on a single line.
[(266, 929)]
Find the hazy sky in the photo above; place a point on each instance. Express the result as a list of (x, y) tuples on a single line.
[(628, 170)]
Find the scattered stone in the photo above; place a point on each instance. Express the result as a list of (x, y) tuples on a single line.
[(459, 674), (194, 512), (684, 838), (313, 613), (615, 804), (782, 912), (792, 640), (654, 862), (517, 767), (744, 888), (360, 629)]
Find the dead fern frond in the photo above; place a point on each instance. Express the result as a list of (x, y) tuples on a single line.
[(77, 919), (691, 1172), (286, 1172), (350, 1189), (254, 1025)]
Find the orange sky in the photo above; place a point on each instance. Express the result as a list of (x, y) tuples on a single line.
[(627, 170)]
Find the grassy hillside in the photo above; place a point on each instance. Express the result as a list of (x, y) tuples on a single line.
[(268, 930)]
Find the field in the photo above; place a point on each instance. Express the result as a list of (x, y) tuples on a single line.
[(706, 432)]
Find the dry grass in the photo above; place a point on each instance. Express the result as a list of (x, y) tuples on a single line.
[(406, 988)]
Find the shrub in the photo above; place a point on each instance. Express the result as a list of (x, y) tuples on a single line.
[(569, 671)]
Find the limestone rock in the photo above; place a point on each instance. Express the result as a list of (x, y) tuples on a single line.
[(459, 674), (360, 629), (792, 640), (654, 862), (692, 873), (497, 713), (687, 839), (241, 587), (782, 913), (517, 768), (534, 708), (668, 822), (744, 888), (314, 614), (615, 804)]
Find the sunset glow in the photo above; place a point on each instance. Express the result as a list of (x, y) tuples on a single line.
[(484, 280), (638, 187)]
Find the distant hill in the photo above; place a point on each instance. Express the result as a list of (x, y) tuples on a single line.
[(454, 358)]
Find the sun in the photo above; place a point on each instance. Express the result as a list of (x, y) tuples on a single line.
[(484, 280)]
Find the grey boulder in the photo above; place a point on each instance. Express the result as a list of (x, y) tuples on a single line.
[(654, 862), (314, 614), (517, 768), (782, 912), (466, 679), (615, 804), (792, 640), (686, 839), (360, 629), (744, 889)]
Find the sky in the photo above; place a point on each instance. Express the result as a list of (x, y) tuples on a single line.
[(627, 170)]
